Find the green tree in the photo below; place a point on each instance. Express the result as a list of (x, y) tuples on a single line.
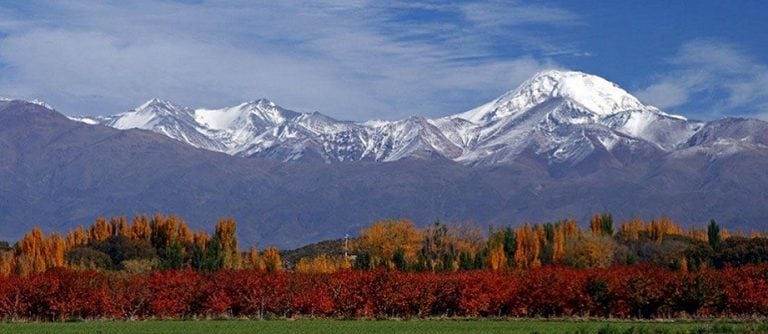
[(505, 238), (88, 257), (401, 263), (607, 224), (713, 235), (120, 248), (363, 261), (173, 256), (466, 262), (212, 258)]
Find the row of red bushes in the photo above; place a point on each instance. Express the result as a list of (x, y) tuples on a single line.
[(625, 292)]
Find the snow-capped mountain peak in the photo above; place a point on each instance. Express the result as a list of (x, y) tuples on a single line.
[(151, 114), (593, 93), (157, 104), (257, 113), (563, 116), (262, 103)]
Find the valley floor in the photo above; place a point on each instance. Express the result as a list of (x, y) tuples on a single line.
[(383, 326)]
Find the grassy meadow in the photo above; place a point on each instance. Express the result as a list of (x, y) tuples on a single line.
[(382, 326)]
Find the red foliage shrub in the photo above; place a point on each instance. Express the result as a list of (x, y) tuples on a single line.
[(625, 292), (309, 295), (14, 303), (746, 290), (552, 291)]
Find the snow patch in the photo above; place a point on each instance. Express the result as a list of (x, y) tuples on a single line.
[(133, 120), (41, 103), (86, 120)]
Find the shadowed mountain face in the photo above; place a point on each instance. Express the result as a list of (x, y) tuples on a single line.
[(564, 157)]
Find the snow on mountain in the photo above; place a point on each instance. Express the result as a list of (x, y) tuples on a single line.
[(243, 126), (594, 93), (41, 103), (87, 120), (34, 101), (563, 116), (411, 137), (167, 118)]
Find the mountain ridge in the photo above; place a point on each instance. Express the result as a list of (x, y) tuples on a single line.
[(493, 133)]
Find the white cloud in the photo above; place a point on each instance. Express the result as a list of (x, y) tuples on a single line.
[(502, 13), (664, 94), (711, 79), (353, 60)]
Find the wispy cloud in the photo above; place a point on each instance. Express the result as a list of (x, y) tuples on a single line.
[(350, 59), (711, 79)]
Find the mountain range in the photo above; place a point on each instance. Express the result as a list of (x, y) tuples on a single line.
[(562, 116), (563, 144)]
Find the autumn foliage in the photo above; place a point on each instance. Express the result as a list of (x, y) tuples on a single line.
[(144, 244), (156, 267), (638, 291)]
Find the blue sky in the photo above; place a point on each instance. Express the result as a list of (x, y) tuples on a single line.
[(355, 59)]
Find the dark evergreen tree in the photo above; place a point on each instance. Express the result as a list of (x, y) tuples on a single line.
[(119, 249), (401, 263), (172, 257), (213, 257), (607, 224), (466, 262), (713, 234), (363, 261)]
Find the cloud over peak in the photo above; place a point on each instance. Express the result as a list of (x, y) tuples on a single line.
[(352, 59)]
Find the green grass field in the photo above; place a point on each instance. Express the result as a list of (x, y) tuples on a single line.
[(389, 326)]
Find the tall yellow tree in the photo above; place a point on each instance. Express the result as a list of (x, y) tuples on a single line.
[(254, 260), (558, 245), (497, 258), (225, 234), (76, 237), (141, 229), (528, 247), (100, 230), (272, 260), (386, 237)]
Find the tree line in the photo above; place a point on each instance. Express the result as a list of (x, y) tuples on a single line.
[(144, 244), (149, 243), (399, 244)]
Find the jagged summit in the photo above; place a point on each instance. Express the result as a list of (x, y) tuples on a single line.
[(158, 104), (152, 114), (262, 103)]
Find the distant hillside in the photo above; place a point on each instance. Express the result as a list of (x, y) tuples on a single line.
[(328, 247)]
